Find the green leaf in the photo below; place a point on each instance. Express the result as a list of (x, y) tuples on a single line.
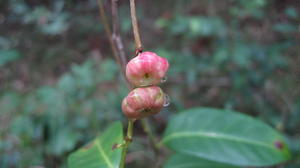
[(225, 136), (187, 161), (291, 12), (285, 28), (99, 153), (7, 56)]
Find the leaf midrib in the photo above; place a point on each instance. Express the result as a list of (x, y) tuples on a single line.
[(102, 153), (214, 136)]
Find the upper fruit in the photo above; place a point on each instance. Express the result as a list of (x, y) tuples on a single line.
[(146, 69)]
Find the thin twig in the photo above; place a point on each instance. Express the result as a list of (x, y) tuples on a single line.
[(137, 39), (108, 32), (116, 37)]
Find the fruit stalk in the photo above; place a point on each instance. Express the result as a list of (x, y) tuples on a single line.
[(127, 141), (135, 27)]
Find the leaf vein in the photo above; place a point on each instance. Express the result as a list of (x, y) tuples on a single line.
[(102, 153), (213, 135)]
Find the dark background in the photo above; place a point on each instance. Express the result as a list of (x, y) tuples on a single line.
[(60, 86)]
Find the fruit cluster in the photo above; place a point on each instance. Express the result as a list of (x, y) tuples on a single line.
[(145, 71)]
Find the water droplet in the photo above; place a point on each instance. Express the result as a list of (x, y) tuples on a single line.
[(164, 79), (167, 100)]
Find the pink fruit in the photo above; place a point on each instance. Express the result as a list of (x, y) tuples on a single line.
[(146, 69), (143, 102)]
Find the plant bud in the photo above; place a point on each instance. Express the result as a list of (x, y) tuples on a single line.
[(143, 102), (146, 69)]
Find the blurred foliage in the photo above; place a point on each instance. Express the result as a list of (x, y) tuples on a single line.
[(59, 86), (51, 120)]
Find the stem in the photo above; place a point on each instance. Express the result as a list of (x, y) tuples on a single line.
[(116, 37), (137, 39), (127, 141), (108, 32)]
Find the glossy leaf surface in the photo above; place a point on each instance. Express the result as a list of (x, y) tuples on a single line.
[(187, 161), (225, 136)]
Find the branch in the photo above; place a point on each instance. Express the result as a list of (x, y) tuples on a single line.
[(108, 32), (116, 37), (137, 39)]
